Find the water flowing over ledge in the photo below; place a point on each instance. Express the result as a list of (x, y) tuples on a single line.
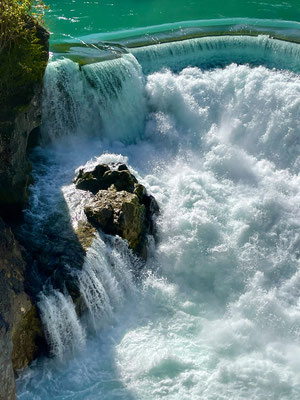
[(107, 98), (97, 47), (103, 281), (220, 51), (187, 29)]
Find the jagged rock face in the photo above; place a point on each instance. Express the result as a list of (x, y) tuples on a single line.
[(14, 165), (120, 206), (102, 177), (20, 327), (21, 335), (119, 213), (7, 380), (15, 127)]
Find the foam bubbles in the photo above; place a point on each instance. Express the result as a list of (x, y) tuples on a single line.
[(216, 314)]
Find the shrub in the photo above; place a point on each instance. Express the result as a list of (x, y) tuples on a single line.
[(22, 54)]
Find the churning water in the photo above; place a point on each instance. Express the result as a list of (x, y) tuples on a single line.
[(215, 313)]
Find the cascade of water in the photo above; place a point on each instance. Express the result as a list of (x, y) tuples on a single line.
[(101, 99), (105, 276), (220, 50), (103, 280), (107, 99), (221, 317), (63, 329), (93, 100)]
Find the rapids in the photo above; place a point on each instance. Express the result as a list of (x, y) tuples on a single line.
[(215, 313)]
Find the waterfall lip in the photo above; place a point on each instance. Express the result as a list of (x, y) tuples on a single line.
[(105, 46), (203, 25), (179, 49), (166, 31), (220, 51)]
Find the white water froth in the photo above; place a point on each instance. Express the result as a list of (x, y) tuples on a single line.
[(220, 317), (107, 99), (105, 277), (63, 329)]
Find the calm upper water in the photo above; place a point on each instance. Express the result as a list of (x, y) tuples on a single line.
[(80, 17)]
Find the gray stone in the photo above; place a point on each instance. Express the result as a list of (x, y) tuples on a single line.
[(121, 205)]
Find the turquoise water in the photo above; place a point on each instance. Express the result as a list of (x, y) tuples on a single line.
[(211, 127), (80, 18)]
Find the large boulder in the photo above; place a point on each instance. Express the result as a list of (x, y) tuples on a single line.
[(120, 205)]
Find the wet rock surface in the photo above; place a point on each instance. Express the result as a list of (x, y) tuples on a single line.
[(102, 177), (20, 327), (120, 205)]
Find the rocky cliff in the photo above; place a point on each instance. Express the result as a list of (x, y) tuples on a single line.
[(20, 114), (20, 329)]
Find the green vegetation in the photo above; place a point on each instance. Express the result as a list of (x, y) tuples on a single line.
[(23, 55)]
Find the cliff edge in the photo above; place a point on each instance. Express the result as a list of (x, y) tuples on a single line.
[(22, 66)]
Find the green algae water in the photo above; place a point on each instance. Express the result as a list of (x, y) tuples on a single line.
[(210, 126)]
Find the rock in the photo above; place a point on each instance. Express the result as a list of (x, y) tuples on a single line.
[(102, 177), (7, 379), (85, 234), (121, 205), (119, 213), (20, 114), (27, 335), (140, 191), (102, 212), (21, 333), (122, 180), (91, 180)]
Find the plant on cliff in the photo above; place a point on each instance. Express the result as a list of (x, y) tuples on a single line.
[(22, 55)]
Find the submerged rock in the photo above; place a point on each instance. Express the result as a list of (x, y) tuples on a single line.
[(120, 206)]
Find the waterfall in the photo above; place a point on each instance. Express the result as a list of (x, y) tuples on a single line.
[(105, 277), (107, 99), (102, 99), (63, 329), (218, 316), (219, 51)]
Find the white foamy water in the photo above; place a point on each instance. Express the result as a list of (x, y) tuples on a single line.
[(63, 329), (216, 312)]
